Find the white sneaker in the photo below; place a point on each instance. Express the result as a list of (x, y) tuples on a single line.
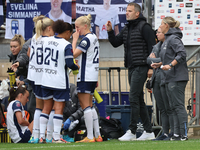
[(128, 136), (146, 136)]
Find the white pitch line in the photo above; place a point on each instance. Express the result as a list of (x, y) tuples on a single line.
[(64, 145)]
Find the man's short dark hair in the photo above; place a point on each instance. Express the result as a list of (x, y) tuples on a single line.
[(137, 7)]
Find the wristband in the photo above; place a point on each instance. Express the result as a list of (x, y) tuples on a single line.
[(171, 65)]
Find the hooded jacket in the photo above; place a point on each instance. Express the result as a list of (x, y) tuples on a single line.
[(173, 48), (156, 51)]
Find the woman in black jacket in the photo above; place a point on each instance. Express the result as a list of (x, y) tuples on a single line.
[(18, 56)]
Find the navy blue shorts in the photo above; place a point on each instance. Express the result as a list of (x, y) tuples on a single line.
[(26, 136), (57, 95), (37, 90), (86, 87)]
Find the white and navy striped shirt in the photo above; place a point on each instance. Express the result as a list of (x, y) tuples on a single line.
[(89, 59), (57, 57), (15, 130), (35, 69)]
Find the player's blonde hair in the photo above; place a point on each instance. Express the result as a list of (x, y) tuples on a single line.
[(36, 18), (85, 20), (41, 25), (18, 38), (171, 22)]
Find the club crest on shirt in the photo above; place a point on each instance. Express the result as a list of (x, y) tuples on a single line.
[(84, 43), (18, 104)]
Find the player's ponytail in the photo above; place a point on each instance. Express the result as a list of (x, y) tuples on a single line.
[(38, 29), (89, 17), (37, 18), (177, 25), (15, 91), (41, 25)]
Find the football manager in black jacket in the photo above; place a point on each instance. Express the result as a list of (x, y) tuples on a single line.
[(138, 39)]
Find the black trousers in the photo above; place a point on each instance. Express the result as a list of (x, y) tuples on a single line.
[(137, 77)]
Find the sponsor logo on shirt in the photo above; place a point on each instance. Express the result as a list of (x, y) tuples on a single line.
[(84, 43)]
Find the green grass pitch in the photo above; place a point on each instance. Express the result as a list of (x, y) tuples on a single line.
[(191, 144)]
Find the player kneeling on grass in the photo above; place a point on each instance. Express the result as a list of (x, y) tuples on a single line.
[(18, 126)]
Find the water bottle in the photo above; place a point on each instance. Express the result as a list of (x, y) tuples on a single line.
[(75, 72)]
